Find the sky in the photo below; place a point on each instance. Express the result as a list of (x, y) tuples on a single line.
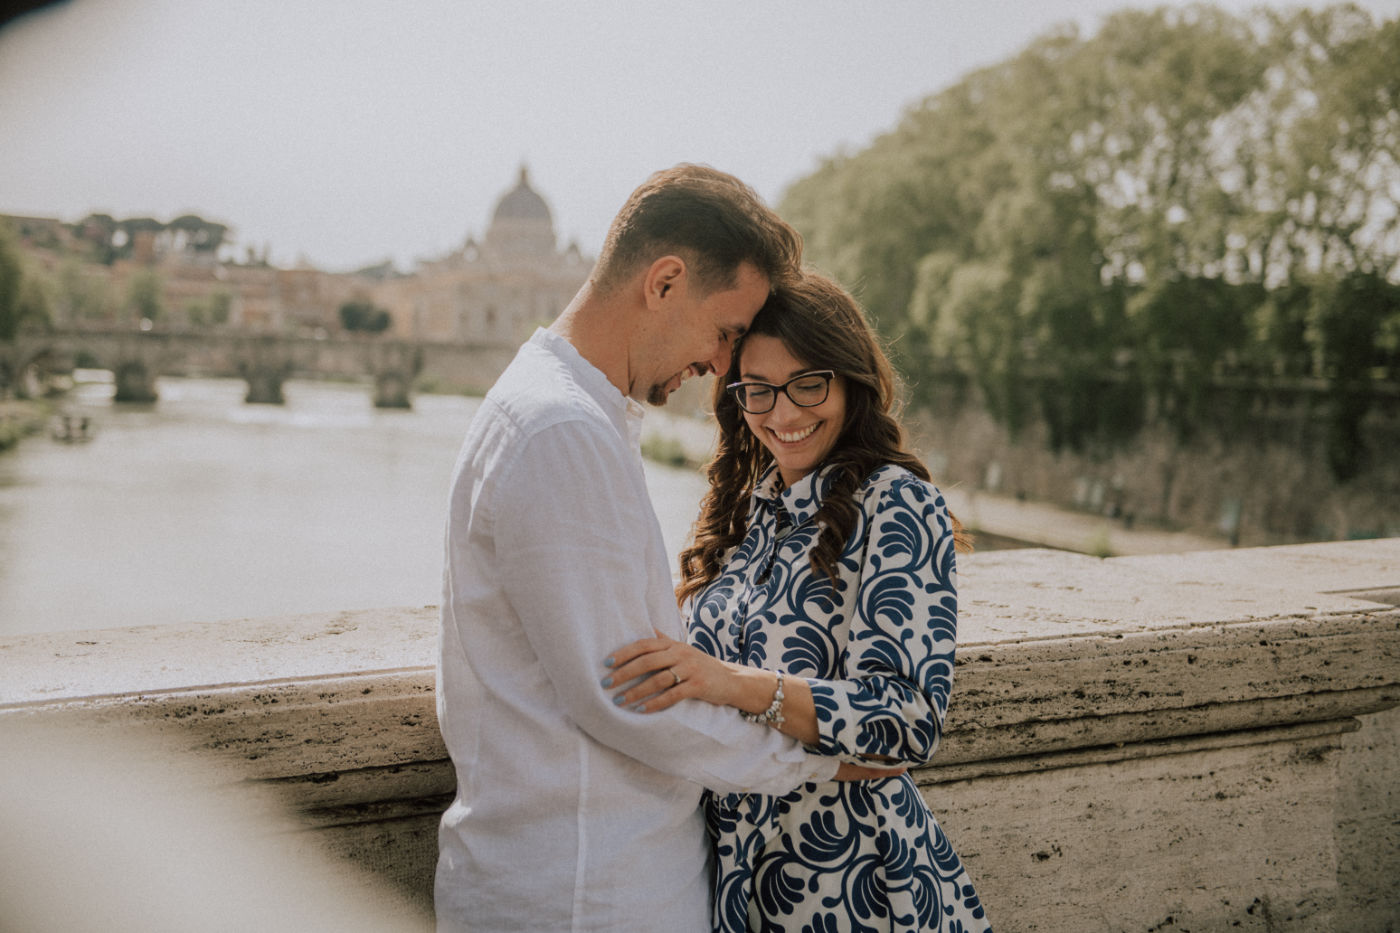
[(343, 133)]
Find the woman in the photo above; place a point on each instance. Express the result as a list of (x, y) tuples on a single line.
[(819, 592)]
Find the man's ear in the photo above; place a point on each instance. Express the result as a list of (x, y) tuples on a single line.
[(665, 281)]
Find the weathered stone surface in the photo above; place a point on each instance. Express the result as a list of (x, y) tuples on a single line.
[(153, 659), (1036, 594), (1200, 741), (1368, 826), (1231, 838)]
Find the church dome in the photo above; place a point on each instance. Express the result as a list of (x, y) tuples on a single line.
[(522, 227), (522, 203)]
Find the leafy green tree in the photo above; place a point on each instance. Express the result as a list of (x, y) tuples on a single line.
[(130, 231), (80, 295), (24, 299), (1185, 195), (203, 236), (364, 317), (143, 295), (98, 232), (219, 307), (34, 304), (212, 311), (24, 302), (1348, 317), (11, 278)]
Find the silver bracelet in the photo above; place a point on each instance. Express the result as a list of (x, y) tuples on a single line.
[(773, 715)]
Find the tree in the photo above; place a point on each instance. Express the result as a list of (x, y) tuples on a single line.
[(80, 295), (11, 275), (202, 236), (143, 295), (1348, 317), (131, 230), (219, 307), (1149, 208), (98, 232), (364, 316), (213, 311), (24, 301)]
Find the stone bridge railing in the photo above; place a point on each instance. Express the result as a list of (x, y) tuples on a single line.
[(1203, 741)]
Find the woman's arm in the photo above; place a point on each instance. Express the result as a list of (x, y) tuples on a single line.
[(697, 675), (659, 661), (897, 661)]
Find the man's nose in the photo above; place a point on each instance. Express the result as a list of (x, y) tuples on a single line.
[(720, 359)]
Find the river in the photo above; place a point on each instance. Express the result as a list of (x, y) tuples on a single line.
[(202, 507)]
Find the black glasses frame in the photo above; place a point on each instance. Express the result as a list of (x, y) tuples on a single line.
[(737, 390)]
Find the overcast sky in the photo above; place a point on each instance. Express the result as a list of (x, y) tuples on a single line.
[(347, 132)]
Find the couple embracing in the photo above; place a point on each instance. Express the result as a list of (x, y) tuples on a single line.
[(729, 753)]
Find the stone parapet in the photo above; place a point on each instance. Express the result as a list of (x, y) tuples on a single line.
[(1178, 742), (1202, 741)]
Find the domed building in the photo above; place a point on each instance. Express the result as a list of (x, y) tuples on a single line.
[(521, 224), (498, 290)]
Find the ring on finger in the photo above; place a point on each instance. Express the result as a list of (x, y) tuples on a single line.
[(675, 675)]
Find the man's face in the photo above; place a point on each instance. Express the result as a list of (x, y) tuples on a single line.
[(700, 334)]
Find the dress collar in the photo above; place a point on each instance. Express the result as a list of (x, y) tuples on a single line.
[(801, 500)]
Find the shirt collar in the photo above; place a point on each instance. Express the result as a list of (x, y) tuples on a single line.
[(625, 412), (802, 499)]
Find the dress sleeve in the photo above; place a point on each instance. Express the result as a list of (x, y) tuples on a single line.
[(898, 659), (571, 548)]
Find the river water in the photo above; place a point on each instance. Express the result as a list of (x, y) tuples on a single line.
[(202, 507)]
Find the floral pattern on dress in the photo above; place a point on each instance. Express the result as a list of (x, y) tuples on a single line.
[(876, 645)]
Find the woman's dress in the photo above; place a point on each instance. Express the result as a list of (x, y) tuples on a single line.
[(877, 649)]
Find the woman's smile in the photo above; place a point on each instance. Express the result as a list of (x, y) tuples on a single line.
[(797, 448), (795, 437)]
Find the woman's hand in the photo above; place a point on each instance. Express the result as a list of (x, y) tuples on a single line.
[(670, 671)]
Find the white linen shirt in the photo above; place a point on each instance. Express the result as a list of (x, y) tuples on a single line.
[(572, 813)]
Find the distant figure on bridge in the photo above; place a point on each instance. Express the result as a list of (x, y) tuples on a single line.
[(573, 812), (821, 599)]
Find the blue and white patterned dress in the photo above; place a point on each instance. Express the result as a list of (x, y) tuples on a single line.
[(877, 649)]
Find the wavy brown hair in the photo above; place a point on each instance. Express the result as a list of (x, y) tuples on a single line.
[(821, 325)]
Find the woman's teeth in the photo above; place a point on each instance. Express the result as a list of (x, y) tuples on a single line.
[(792, 437)]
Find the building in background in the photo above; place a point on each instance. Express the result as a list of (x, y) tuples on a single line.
[(496, 290)]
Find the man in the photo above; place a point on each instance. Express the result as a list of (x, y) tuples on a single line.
[(572, 813)]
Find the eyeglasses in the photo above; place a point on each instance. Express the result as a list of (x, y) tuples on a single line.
[(806, 390)]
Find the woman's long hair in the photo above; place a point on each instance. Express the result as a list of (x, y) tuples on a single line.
[(821, 325)]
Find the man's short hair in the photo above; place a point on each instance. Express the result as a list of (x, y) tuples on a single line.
[(710, 219)]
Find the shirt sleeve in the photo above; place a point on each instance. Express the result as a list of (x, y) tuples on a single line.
[(572, 526), (898, 659)]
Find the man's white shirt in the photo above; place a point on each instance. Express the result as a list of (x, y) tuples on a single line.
[(572, 813)]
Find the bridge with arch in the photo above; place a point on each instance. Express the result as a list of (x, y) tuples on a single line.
[(265, 361)]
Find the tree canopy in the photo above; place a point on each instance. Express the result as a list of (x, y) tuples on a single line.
[(1184, 195), (24, 301), (364, 316), (107, 239)]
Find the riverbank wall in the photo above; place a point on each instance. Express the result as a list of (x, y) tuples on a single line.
[(1199, 741), (1252, 470)]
